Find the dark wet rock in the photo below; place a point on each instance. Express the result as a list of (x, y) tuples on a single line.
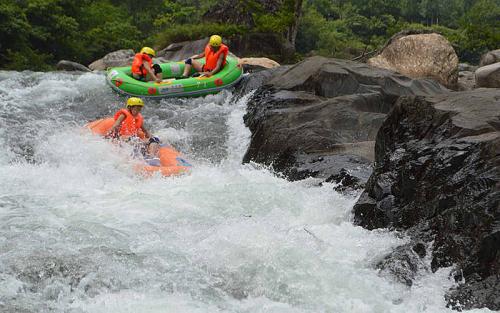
[(345, 181), (437, 175), (488, 76), (324, 109), (65, 65), (490, 58), (404, 263), (476, 293), (256, 80)]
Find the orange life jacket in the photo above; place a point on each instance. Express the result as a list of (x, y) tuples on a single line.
[(211, 57), (138, 66), (131, 125)]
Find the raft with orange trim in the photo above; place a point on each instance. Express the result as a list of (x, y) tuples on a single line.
[(121, 80), (169, 161)]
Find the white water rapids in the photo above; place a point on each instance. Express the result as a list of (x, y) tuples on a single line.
[(81, 232)]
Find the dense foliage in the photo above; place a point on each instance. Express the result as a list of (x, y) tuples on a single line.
[(35, 34)]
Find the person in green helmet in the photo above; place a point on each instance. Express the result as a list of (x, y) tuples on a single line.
[(215, 58)]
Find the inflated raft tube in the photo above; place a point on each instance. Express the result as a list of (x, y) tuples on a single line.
[(121, 80), (169, 162)]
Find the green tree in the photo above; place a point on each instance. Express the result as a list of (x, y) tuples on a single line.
[(481, 29)]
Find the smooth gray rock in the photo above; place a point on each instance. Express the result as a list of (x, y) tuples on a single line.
[(488, 76), (490, 58), (117, 58)]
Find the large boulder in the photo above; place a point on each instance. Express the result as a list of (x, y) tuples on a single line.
[(490, 58), (114, 59), (437, 176), (420, 56), (320, 117), (183, 50), (488, 76), (65, 65)]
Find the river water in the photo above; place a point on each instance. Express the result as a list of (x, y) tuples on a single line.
[(81, 232)]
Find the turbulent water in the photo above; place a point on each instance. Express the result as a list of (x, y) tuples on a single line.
[(81, 232)]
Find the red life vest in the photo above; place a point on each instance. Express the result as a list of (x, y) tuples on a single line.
[(131, 125), (211, 57), (138, 66)]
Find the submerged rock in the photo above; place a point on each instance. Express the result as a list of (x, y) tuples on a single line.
[(420, 56), (320, 117), (65, 65), (437, 175)]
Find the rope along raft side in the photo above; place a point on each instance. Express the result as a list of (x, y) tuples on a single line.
[(121, 80)]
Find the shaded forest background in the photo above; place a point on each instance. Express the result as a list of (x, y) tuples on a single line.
[(35, 34)]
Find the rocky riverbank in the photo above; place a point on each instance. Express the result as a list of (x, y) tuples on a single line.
[(437, 175), (434, 152)]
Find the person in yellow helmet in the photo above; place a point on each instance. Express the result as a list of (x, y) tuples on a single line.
[(215, 58), (128, 123), (143, 68)]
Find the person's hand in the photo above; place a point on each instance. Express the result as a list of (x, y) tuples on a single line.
[(158, 80), (112, 133)]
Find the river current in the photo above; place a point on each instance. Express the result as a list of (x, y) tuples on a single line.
[(81, 232)]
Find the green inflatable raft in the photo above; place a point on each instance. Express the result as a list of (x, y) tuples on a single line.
[(121, 80)]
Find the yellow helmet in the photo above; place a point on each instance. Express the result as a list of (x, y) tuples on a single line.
[(215, 41), (135, 101), (148, 50)]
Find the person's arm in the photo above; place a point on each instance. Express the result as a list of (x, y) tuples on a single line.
[(217, 68), (198, 56), (150, 71), (115, 125)]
